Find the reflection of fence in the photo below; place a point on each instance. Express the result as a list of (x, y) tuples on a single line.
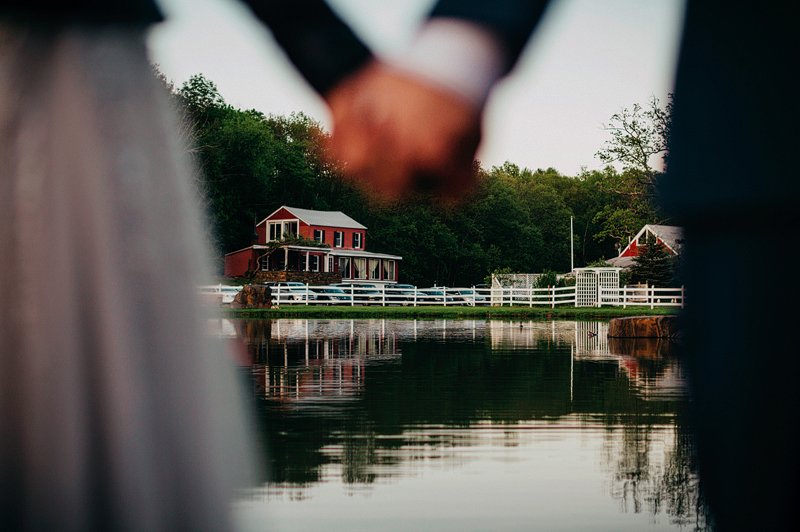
[(591, 339), (386, 295), (527, 334)]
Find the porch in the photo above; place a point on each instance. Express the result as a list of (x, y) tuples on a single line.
[(347, 264)]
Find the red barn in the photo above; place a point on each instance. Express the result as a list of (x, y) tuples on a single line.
[(339, 247), (669, 237)]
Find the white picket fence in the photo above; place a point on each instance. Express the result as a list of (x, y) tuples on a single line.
[(219, 293), (387, 295), (642, 296)]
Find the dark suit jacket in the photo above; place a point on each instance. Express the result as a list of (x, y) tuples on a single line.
[(325, 50), (43, 12), (735, 120)]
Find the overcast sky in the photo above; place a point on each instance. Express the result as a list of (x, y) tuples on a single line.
[(587, 60)]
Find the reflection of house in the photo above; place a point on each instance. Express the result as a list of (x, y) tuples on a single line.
[(669, 237), (303, 240)]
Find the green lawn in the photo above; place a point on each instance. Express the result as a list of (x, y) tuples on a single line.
[(311, 311)]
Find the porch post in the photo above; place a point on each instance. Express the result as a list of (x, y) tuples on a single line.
[(285, 259), (308, 253)]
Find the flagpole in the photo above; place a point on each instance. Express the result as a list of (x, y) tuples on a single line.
[(571, 247)]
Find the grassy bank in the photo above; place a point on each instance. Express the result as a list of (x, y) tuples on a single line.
[(345, 312)]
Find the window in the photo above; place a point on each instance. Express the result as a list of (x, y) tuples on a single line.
[(319, 235), (313, 263), (330, 264), (359, 268), (388, 270), (356, 240), (338, 239), (374, 269), (275, 230), (344, 267), (279, 230)]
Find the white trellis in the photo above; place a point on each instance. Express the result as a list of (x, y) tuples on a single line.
[(589, 281)]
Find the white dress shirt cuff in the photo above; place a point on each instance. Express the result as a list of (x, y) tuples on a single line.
[(460, 56)]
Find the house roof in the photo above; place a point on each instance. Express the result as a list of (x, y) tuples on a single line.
[(360, 253), (620, 262), (670, 235), (321, 218)]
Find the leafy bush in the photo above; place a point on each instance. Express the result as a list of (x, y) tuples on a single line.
[(547, 279)]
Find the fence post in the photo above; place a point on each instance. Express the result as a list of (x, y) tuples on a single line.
[(383, 295), (625, 296), (553, 297), (530, 296), (415, 301), (352, 296), (599, 291), (444, 296), (652, 295), (474, 295), (306, 294)]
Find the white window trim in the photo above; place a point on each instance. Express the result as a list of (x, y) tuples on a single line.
[(388, 269), (338, 242), (364, 271), (282, 224), (360, 238), (378, 269), (345, 274)]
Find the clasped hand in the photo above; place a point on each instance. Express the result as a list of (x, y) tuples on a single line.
[(396, 135)]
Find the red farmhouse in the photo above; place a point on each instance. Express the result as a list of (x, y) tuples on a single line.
[(669, 237), (340, 248)]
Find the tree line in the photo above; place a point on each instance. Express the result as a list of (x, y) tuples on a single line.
[(517, 220)]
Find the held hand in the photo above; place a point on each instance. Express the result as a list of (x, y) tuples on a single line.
[(397, 135)]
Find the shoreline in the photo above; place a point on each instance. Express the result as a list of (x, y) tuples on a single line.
[(311, 311)]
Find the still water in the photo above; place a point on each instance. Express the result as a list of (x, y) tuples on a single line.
[(465, 425)]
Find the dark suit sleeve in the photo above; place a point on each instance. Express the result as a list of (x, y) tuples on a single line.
[(511, 20), (322, 47)]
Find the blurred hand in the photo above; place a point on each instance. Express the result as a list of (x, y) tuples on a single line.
[(397, 135)]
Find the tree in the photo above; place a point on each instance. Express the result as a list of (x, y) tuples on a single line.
[(654, 265), (517, 218), (638, 135)]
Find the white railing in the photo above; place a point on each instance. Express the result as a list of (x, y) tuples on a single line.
[(387, 295), (641, 296), (550, 296), (219, 293)]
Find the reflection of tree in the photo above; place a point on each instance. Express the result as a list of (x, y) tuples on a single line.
[(351, 401), (658, 480), (632, 470), (679, 487), (358, 457)]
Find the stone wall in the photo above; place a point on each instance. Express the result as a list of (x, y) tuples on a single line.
[(253, 296), (312, 278)]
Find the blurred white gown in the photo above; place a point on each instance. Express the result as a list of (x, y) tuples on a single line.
[(116, 412)]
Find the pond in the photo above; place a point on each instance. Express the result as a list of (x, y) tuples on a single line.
[(465, 425)]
